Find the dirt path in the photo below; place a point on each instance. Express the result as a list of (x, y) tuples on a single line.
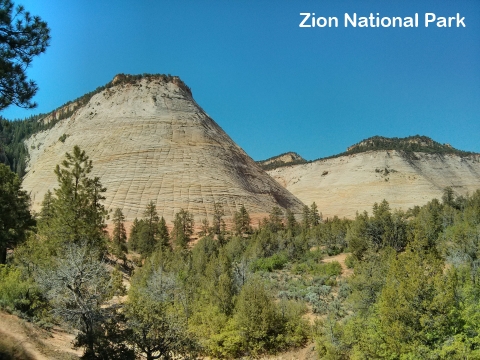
[(40, 344)]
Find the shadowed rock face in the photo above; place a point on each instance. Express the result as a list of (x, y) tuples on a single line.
[(344, 185), (150, 141)]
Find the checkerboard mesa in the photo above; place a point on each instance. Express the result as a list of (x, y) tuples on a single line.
[(150, 141)]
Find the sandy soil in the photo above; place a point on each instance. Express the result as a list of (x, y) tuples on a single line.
[(39, 343)]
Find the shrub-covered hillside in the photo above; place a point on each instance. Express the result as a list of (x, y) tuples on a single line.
[(245, 290), (410, 144)]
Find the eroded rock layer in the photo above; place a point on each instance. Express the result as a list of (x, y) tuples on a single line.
[(149, 140), (344, 185)]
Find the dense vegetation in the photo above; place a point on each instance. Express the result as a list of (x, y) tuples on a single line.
[(13, 133), (407, 146), (414, 292)]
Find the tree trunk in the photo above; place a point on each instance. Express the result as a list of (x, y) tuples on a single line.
[(3, 254)]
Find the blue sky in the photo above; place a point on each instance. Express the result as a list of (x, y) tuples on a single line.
[(271, 85)]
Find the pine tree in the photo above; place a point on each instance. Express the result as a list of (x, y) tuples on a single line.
[(119, 236), (314, 215), (306, 218), (144, 232), (134, 238), (292, 224), (15, 217), (163, 236), (218, 213), (182, 228), (22, 37), (242, 221), (204, 228), (47, 212), (275, 219), (78, 213), (151, 219)]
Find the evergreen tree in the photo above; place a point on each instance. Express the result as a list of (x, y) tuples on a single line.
[(275, 221), (135, 231), (256, 317), (315, 217), (182, 228), (78, 212), (204, 228), (96, 211), (220, 284), (15, 217), (218, 213), (306, 218), (242, 221), (149, 235), (292, 224), (47, 212), (119, 236), (163, 236), (22, 38)]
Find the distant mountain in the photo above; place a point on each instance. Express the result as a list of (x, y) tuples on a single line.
[(404, 171), (285, 159), (408, 144), (150, 141)]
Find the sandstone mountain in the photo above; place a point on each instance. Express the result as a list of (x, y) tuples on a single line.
[(406, 172), (149, 140)]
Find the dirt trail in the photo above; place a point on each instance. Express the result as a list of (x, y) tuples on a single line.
[(40, 344)]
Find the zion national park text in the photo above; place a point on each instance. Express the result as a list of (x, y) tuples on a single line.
[(309, 20)]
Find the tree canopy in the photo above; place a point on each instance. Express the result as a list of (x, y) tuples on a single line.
[(15, 217), (22, 37)]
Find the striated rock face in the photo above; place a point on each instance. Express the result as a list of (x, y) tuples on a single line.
[(343, 185), (149, 140)]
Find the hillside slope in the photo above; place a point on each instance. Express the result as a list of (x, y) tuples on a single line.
[(346, 184), (149, 140)]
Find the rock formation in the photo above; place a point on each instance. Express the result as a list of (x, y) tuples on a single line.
[(149, 140), (289, 158), (346, 184)]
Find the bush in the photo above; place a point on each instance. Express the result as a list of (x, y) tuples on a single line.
[(350, 261), (274, 262), (13, 289), (21, 296), (323, 269)]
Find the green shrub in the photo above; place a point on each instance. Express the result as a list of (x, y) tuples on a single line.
[(18, 294), (63, 138), (323, 269), (350, 261), (274, 262)]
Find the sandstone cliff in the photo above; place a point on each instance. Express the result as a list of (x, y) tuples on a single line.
[(346, 184), (149, 140)]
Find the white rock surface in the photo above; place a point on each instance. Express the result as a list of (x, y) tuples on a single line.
[(344, 185), (151, 141)]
